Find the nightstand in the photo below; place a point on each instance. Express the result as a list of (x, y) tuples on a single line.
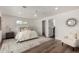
[(10, 35)]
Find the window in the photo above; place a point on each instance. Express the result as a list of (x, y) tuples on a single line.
[(19, 22)]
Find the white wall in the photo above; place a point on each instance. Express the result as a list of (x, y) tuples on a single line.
[(37, 26), (62, 29)]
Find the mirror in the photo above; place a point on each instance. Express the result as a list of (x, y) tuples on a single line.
[(71, 22)]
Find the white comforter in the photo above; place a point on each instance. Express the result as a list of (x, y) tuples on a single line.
[(26, 35)]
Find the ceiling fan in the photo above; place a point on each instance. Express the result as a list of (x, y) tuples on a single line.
[(24, 6)]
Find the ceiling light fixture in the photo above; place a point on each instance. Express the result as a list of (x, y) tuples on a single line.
[(24, 6), (56, 8), (36, 12)]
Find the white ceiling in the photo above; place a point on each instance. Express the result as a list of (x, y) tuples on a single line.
[(30, 11)]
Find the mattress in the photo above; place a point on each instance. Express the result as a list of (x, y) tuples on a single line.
[(11, 46)]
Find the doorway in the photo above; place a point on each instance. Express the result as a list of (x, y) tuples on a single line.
[(43, 27)]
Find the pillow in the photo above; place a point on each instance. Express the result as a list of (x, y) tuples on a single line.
[(24, 28), (23, 35)]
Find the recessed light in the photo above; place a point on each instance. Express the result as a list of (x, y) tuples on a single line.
[(35, 15), (56, 8)]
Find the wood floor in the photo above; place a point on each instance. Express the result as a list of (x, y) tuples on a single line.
[(52, 46)]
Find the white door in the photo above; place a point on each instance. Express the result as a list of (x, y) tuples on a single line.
[(51, 26)]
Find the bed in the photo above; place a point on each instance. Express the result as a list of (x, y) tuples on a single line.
[(26, 35), (11, 46), (25, 39)]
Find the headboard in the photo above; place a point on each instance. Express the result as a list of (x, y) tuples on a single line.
[(25, 28)]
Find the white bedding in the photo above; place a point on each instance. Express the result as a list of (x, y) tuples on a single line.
[(10, 46), (26, 35)]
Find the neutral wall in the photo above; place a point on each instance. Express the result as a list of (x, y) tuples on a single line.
[(36, 25), (62, 29)]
